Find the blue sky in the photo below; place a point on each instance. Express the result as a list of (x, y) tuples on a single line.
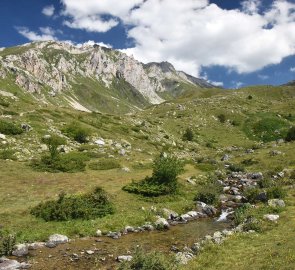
[(229, 42)]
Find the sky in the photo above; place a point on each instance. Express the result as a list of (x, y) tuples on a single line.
[(230, 43)]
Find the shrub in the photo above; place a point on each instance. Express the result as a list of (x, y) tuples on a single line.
[(208, 194), (241, 213), (163, 180), (104, 164), (7, 242), (83, 206), (9, 128), (4, 103), (77, 132), (53, 142), (276, 193), (265, 183), (251, 194), (188, 135), (70, 162), (290, 135), (7, 154), (236, 168), (149, 261), (221, 117)]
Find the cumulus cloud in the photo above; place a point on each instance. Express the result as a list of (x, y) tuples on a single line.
[(92, 42), (292, 69), (263, 77), (48, 11), (192, 34), (46, 33)]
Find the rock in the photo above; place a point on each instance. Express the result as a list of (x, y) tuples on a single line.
[(261, 197), (124, 258), (148, 227), (26, 127), (256, 176), (275, 153), (227, 232), (184, 257), (193, 214), (169, 214), (58, 239), (271, 217), (114, 235), (98, 233), (129, 229), (281, 174), (89, 252), (50, 244), (6, 264), (122, 152), (276, 203), (125, 169), (20, 250), (162, 223), (100, 142), (209, 210), (36, 245), (217, 238), (226, 157), (2, 137)]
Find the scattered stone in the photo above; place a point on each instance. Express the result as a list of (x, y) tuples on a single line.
[(217, 238), (36, 245), (98, 233), (129, 229), (26, 127), (125, 169), (58, 239), (100, 142), (276, 203), (50, 244), (6, 264), (275, 153), (122, 152), (2, 137), (124, 258), (184, 257), (114, 235), (162, 223), (148, 227), (169, 214), (20, 250), (89, 252), (226, 157), (271, 217)]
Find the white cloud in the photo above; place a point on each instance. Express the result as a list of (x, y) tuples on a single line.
[(292, 69), (48, 11), (92, 42), (218, 84), (237, 85), (46, 33), (192, 34)]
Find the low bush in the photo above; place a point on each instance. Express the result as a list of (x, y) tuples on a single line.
[(290, 135), (221, 117), (252, 194), (149, 261), (70, 162), (9, 128), (7, 154), (188, 135), (7, 242), (276, 192), (163, 180), (77, 132), (236, 168), (83, 206), (209, 194), (240, 213), (104, 164)]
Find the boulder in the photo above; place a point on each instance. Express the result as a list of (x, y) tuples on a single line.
[(6, 264), (124, 258), (100, 142), (209, 210), (162, 223), (169, 214), (58, 239), (2, 137), (98, 233), (271, 217), (276, 203), (184, 257), (36, 245), (20, 250), (226, 157), (129, 229)]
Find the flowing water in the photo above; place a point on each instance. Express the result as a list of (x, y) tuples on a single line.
[(107, 249)]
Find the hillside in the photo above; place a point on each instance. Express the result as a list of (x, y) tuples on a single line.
[(215, 133), (90, 78)]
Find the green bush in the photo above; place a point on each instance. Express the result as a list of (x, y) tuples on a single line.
[(77, 132), (221, 117), (4, 103), (70, 162), (7, 154), (240, 213), (9, 128), (7, 242), (236, 168), (290, 135), (208, 194), (265, 183), (163, 180), (276, 192), (53, 142), (188, 135), (104, 164), (68, 207), (149, 261), (251, 194)]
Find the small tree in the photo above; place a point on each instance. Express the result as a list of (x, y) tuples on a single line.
[(77, 132), (221, 117), (53, 142), (188, 135)]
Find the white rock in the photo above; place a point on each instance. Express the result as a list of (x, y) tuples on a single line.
[(2, 137), (124, 258), (90, 252), (162, 223), (276, 203), (98, 233), (20, 250), (271, 217), (58, 239), (100, 142)]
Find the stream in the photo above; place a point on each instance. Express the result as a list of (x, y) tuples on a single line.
[(73, 255)]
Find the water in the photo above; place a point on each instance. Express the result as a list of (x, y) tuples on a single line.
[(108, 249), (224, 214)]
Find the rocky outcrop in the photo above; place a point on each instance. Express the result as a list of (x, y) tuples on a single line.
[(57, 66)]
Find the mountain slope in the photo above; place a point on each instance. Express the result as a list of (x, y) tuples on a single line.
[(95, 77)]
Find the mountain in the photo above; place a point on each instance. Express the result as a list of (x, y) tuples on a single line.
[(291, 83), (91, 78)]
